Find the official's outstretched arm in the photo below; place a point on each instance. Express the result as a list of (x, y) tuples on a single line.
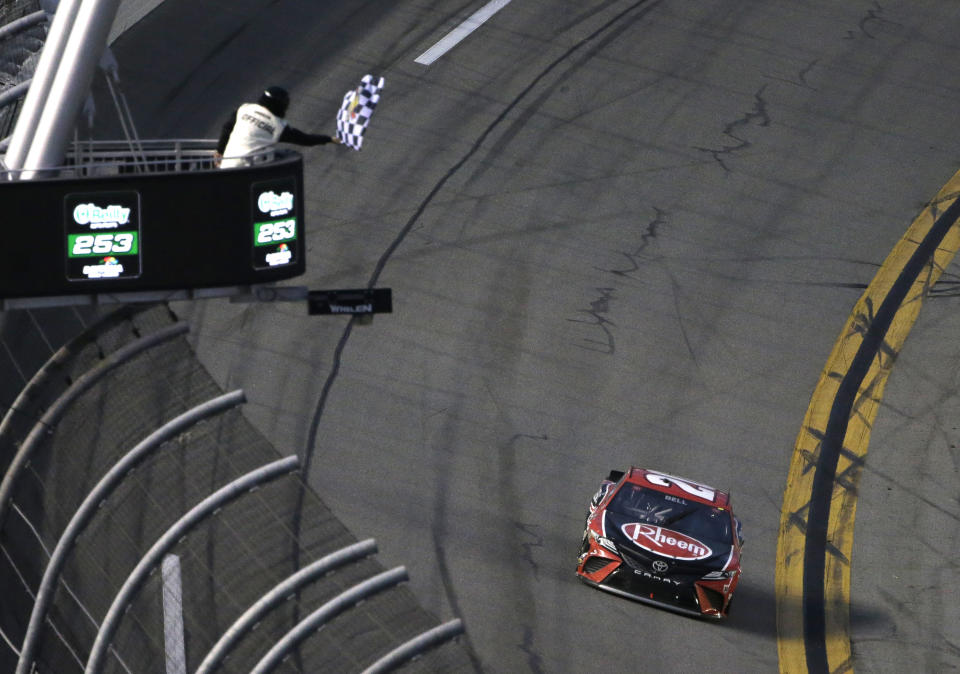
[(298, 137)]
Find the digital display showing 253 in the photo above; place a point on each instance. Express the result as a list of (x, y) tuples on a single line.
[(102, 235), (273, 209)]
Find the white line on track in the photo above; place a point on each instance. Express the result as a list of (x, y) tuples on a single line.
[(460, 32)]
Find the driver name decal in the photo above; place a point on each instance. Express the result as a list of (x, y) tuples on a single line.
[(665, 542)]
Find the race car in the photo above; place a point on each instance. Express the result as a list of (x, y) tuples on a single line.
[(662, 540)]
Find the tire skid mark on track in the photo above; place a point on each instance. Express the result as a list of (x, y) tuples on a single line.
[(438, 531), (536, 664), (819, 506), (592, 44), (447, 581), (309, 450)]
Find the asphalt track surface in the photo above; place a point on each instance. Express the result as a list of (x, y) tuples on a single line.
[(617, 232)]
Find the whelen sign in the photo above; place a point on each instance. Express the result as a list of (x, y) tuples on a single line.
[(152, 231)]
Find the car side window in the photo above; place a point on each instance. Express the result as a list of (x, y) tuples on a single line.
[(601, 494)]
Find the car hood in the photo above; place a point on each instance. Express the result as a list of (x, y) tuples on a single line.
[(654, 541)]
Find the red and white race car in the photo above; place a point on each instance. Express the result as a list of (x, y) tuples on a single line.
[(662, 540)]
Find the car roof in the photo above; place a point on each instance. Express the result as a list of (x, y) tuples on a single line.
[(678, 486)]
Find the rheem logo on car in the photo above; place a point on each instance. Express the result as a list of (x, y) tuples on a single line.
[(666, 542)]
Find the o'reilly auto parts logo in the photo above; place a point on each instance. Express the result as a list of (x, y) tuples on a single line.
[(275, 205), (666, 542), (110, 217)]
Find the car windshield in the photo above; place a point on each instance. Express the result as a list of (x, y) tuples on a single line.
[(680, 514)]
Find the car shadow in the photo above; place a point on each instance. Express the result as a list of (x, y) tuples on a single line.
[(754, 611)]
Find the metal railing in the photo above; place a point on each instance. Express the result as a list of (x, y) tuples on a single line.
[(94, 500), (95, 158), (62, 404), (201, 511), (279, 594), (24, 22), (21, 39)]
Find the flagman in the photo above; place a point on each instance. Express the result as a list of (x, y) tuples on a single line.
[(255, 128)]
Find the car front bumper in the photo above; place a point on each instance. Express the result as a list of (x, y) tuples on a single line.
[(605, 570)]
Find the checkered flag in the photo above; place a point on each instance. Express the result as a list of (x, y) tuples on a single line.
[(355, 113)]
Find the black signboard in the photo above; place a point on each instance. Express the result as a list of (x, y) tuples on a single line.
[(353, 301), (138, 232)]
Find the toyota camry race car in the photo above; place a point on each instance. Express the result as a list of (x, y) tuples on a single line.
[(662, 540)]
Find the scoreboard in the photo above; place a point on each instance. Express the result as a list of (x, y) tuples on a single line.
[(152, 231)]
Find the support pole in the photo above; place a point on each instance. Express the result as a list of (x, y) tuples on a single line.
[(71, 85), (174, 648), (50, 57)]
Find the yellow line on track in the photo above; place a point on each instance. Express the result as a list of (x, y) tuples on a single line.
[(791, 541)]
